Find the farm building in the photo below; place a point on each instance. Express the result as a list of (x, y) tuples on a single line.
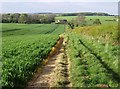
[(61, 21)]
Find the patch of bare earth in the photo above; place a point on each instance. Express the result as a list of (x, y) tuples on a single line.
[(46, 77)]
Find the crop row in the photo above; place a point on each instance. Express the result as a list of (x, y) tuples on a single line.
[(107, 52), (29, 29), (21, 55), (86, 70)]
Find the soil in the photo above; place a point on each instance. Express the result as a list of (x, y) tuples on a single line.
[(50, 74)]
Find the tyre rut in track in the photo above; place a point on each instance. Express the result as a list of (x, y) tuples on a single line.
[(55, 72)]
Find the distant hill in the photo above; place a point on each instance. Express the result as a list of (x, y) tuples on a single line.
[(87, 14), (78, 13)]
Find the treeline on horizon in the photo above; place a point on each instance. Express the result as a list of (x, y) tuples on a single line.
[(87, 14), (43, 18), (82, 13), (27, 18)]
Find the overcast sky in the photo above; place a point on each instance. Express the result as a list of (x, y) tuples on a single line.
[(58, 6), (59, 0)]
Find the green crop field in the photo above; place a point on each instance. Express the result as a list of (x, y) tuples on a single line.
[(27, 29), (90, 19), (65, 17), (21, 55), (93, 52), (24, 46), (103, 19), (93, 63), (88, 56)]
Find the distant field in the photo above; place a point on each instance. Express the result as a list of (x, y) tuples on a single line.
[(65, 17), (24, 46), (107, 28), (103, 19), (23, 29)]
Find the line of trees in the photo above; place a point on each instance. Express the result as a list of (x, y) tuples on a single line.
[(87, 14), (27, 18), (80, 21)]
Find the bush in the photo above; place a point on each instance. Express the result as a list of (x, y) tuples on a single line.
[(97, 21)]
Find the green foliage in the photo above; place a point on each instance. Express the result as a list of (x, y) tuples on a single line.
[(107, 51), (86, 14), (68, 18), (29, 29), (102, 32), (59, 30), (24, 47), (97, 21), (22, 18), (105, 20), (71, 25), (27, 18), (86, 69), (21, 55)]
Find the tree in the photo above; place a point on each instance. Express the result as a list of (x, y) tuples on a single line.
[(80, 20), (8, 18), (28, 18), (4, 18), (16, 17), (72, 24), (23, 18), (97, 21)]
